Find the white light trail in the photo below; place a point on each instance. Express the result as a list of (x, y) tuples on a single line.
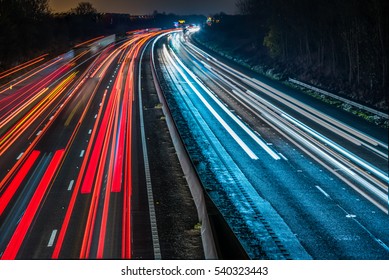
[(336, 147), (249, 152), (231, 115)]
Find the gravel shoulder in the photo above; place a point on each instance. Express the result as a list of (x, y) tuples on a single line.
[(177, 219)]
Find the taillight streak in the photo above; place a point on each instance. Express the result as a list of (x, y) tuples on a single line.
[(32, 208), (18, 179), (99, 161), (12, 135)]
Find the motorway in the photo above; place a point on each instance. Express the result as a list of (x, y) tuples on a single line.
[(293, 178), (66, 155), (315, 177)]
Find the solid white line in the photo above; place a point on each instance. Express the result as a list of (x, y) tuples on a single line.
[(382, 244), (236, 118), (19, 156), (149, 188), (249, 152), (82, 153), (71, 185), (52, 238), (323, 192), (281, 155)]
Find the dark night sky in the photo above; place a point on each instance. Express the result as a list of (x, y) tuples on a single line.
[(183, 7)]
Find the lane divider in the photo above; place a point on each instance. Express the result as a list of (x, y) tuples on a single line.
[(18, 237), (18, 179)]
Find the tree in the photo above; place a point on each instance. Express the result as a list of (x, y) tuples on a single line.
[(345, 42), (32, 9), (84, 8), (272, 42), (20, 23)]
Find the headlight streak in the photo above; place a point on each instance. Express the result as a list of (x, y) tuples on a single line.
[(233, 134), (377, 188), (260, 142), (242, 194), (330, 122), (336, 147)]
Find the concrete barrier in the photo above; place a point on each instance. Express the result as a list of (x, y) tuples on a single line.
[(196, 189)]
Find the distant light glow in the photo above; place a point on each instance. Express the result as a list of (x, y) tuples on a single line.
[(202, 7)]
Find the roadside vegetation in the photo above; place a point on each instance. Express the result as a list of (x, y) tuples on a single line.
[(29, 28), (339, 46)]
